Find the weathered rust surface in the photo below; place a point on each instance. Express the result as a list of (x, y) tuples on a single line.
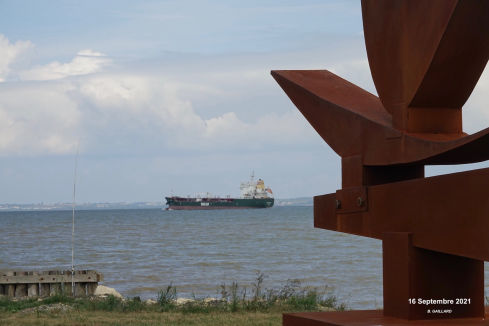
[(354, 123), (426, 54), (411, 272), (426, 58), (448, 213), (369, 318)]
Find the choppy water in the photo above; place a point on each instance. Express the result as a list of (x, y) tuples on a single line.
[(142, 251)]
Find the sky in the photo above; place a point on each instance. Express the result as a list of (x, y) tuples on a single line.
[(172, 97)]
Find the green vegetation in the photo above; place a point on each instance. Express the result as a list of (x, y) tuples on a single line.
[(77, 318), (290, 298), (235, 305), (11, 305)]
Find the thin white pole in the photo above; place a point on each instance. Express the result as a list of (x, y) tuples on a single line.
[(73, 226)]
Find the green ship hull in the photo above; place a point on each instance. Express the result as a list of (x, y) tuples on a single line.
[(182, 203)]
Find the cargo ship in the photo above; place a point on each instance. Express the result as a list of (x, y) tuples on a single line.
[(254, 194)]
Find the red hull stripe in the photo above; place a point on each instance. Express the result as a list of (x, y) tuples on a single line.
[(181, 208)]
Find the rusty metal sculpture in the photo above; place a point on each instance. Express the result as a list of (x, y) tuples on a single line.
[(426, 58)]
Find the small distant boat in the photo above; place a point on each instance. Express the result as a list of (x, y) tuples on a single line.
[(254, 194)]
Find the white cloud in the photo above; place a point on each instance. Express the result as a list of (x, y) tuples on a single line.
[(85, 62), (218, 104), (9, 53), (154, 112), (141, 103), (90, 53), (475, 111), (37, 120), (115, 91)]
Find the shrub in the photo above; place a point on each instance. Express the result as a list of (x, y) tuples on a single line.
[(167, 297)]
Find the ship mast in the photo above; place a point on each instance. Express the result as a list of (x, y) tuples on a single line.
[(252, 182)]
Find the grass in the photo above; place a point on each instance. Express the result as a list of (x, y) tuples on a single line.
[(292, 297), (235, 305), (143, 319)]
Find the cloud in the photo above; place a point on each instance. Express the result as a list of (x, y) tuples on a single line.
[(85, 62), (151, 113), (475, 111), (199, 104), (10, 53), (37, 120), (41, 118)]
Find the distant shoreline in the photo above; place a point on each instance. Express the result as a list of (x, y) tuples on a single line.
[(300, 201)]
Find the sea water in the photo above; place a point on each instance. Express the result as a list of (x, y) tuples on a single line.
[(143, 251)]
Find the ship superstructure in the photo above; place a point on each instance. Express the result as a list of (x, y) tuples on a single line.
[(255, 189)]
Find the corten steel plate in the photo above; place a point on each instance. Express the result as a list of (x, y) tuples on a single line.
[(426, 58), (425, 54), (353, 122), (369, 318), (447, 213)]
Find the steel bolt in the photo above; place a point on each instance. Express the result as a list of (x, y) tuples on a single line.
[(360, 201), (338, 203)]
